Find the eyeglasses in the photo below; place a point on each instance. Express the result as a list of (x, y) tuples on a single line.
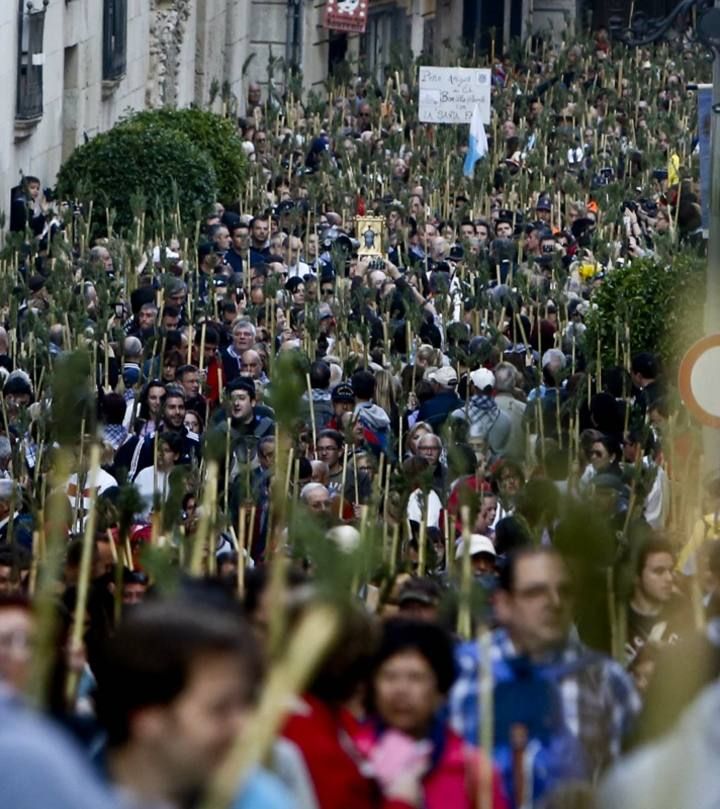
[(327, 448)]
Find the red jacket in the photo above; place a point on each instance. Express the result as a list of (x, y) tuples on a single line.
[(454, 781), (325, 739)]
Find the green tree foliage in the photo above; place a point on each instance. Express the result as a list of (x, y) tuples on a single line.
[(212, 133), (661, 304), (140, 165)]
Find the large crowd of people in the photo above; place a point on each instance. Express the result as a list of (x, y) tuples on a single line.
[(364, 395)]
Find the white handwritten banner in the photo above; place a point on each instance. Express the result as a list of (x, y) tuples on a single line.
[(448, 95)]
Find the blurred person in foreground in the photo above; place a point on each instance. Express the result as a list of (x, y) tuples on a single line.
[(324, 725), (561, 709), (42, 765), (175, 689), (413, 671)]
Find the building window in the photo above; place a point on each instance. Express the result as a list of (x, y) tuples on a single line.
[(382, 45), (31, 26), (114, 39)]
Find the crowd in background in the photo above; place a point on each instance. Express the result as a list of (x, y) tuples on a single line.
[(201, 445)]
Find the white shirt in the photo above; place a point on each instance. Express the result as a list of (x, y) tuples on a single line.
[(416, 505), (104, 481), (148, 482)]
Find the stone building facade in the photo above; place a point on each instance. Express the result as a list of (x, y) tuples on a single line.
[(71, 68)]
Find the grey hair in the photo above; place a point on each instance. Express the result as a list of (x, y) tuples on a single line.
[(309, 488), (244, 323), (132, 346), (505, 377), (5, 448)]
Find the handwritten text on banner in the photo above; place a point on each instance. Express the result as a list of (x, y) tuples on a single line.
[(448, 95)]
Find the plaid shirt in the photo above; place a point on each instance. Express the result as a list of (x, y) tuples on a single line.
[(115, 435), (596, 695)]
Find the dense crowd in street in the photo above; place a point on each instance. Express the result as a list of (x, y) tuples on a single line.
[(336, 504)]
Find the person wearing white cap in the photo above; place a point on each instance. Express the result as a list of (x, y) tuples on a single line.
[(444, 400), (485, 419), (482, 554)]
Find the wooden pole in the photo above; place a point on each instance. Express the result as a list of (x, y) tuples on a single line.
[(83, 585)]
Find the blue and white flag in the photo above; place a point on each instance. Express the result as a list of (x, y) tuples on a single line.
[(477, 143)]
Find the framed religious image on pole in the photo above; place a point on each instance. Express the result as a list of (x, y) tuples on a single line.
[(370, 232), (346, 15)]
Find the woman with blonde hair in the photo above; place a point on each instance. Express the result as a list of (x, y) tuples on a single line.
[(413, 436)]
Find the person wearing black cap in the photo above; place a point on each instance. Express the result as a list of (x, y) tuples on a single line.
[(419, 599), (246, 426), (343, 401), (543, 209)]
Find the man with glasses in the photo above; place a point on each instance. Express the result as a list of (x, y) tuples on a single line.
[(560, 709), (329, 449)]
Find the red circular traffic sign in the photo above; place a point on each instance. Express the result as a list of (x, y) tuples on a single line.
[(699, 380)]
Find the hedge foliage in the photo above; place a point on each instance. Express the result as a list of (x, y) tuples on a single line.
[(155, 160), (662, 304), (212, 133)]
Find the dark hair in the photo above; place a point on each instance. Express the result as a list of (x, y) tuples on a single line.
[(150, 658), (173, 440), (211, 336), (153, 383), (363, 384), (511, 534), (172, 392), (238, 226), (172, 357), (645, 364), (429, 640), (170, 311), (187, 497), (654, 544), (113, 408), (185, 369), (14, 556), (348, 661), (506, 579), (334, 435), (611, 444), (320, 375), (198, 416)]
